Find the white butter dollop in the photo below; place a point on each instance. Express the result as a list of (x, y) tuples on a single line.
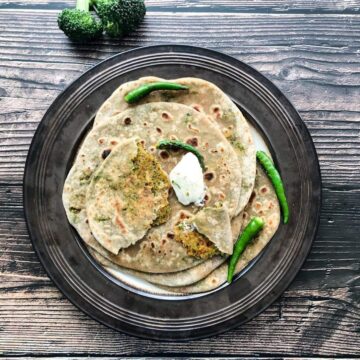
[(187, 180)]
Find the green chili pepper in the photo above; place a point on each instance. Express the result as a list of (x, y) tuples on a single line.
[(146, 89), (166, 144), (250, 231), (275, 178)]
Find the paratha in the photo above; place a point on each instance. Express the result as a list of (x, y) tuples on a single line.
[(157, 252), (205, 97)]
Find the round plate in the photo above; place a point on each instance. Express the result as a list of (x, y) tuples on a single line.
[(92, 289)]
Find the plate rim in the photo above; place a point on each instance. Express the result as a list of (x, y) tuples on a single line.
[(183, 48)]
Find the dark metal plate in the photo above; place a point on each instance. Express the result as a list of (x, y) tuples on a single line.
[(96, 292)]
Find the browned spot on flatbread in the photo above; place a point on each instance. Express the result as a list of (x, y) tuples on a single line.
[(193, 128), (166, 116), (105, 153), (113, 142), (101, 141), (164, 154), (264, 190), (127, 121), (196, 107), (193, 141), (209, 176), (183, 215), (120, 224)]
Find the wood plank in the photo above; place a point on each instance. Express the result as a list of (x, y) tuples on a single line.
[(332, 263), (263, 6), (304, 321), (313, 59), (319, 74), (318, 314)]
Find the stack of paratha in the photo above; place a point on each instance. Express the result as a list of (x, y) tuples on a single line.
[(119, 198)]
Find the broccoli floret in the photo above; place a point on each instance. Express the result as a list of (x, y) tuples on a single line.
[(119, 17), (78, 24)]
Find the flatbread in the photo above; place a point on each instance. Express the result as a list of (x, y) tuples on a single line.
[(204, 97), (156, 252), (213, 273), (264, 204), (127, 195), (180, 278)]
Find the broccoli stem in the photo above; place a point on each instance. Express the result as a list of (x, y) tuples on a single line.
[(83, 5)]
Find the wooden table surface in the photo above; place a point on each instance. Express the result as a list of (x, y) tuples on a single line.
[(311, 51)]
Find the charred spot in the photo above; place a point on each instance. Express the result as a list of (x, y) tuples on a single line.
[(113, 142), (163, 241), (101, 141), (159, 251), (216, 109), (158, 130), (264, 190), (183, 215), (87, 221), (170, 235), (258, 206), (261, 212), (142, 142), (213, 281), (152, 245), (214, 151), (164, 154), (193, 141), (271, 205), (206, 197), (165, 116), (145, 124), (209, 176), (252, 196), (127, 121), (196, 107), (192, 128), (105, 153)]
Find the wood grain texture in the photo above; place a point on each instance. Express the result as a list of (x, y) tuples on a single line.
[(313, 59), (263, 6), (319, 75)]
